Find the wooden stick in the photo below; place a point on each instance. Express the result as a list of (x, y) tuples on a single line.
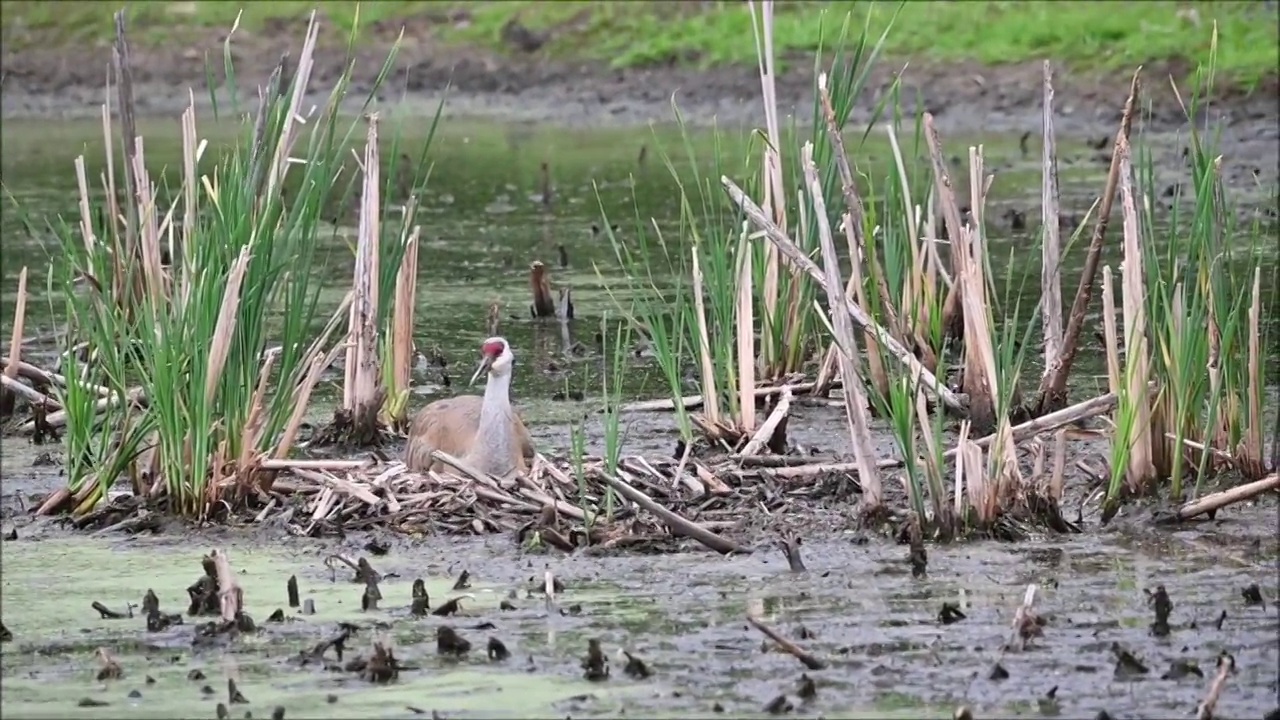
[(690, 402), (770, 425), (1214, 501), (801, 472), (1053, 420), (33, 396), (801, 262), (677, 524), (810, 660), (1226, 664)]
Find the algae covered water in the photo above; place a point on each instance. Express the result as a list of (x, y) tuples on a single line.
[(858, 607)]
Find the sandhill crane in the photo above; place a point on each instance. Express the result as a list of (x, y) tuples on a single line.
[(484, 432)]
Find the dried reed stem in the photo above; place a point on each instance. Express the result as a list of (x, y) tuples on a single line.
[(855, 396), (771, 170), (1053, 388), (945, 194), (711, 395), (19, 327), (1137, 362), (1051, 249), (1249, 455), (800, 262), (361, 394), (402, 318), (745, 335)]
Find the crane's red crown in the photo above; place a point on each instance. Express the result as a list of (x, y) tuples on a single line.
[(493, 348)]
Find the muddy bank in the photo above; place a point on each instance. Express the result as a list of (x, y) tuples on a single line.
[(52, 82)]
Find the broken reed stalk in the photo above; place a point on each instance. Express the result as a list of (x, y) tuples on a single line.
[(1141, 470), (710, 393), (402, 327), (852, 223), (15, 340), (1249, 456), (1226, 665), (944, 194), (544, 304), (745, 334), (775, 205), (361, 395), (968, 253), (767, 429), (1051, 249), (800, 263), (1053, 386), (855, 394), (230, 595)]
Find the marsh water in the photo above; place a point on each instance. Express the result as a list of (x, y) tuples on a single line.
[(484, 221)]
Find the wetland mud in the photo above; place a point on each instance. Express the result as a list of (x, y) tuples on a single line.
[(891, 644)]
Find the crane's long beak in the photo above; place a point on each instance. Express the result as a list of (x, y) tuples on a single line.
[(482, 369)]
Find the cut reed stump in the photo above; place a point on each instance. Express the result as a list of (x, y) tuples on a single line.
[(362, 396)]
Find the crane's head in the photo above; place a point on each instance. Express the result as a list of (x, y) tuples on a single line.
[(496, 358)]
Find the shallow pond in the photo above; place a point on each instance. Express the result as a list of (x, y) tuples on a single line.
[(858, 607)]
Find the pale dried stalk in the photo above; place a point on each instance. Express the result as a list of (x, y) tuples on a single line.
[(746, 335), (1226, 665), (1054, 386), (226, 326), (255, 423), (1250, 454), (360, 394), (190, 158), (1110, 335), (1051, 249), (230, 596), (1057, 479), (770, 425), (962, 442), (920, 291), (855, 399), (853, 205), (710, 395), (302, 76), (19, 327), (800, 262), (771, 171), (946, 196), (968, 252), (402, 315), (149, 229), (1137, 363), (854, 288), (86, 216)]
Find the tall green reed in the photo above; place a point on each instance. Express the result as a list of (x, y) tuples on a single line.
[(194, 339)]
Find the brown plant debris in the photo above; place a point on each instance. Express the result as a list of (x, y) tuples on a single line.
[(809, 660), (450, 643), (108, 667), (497, 651), (109, 614), (635, 667), (421, 601), (1127, 664), (1163, 606), (595, 665)]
